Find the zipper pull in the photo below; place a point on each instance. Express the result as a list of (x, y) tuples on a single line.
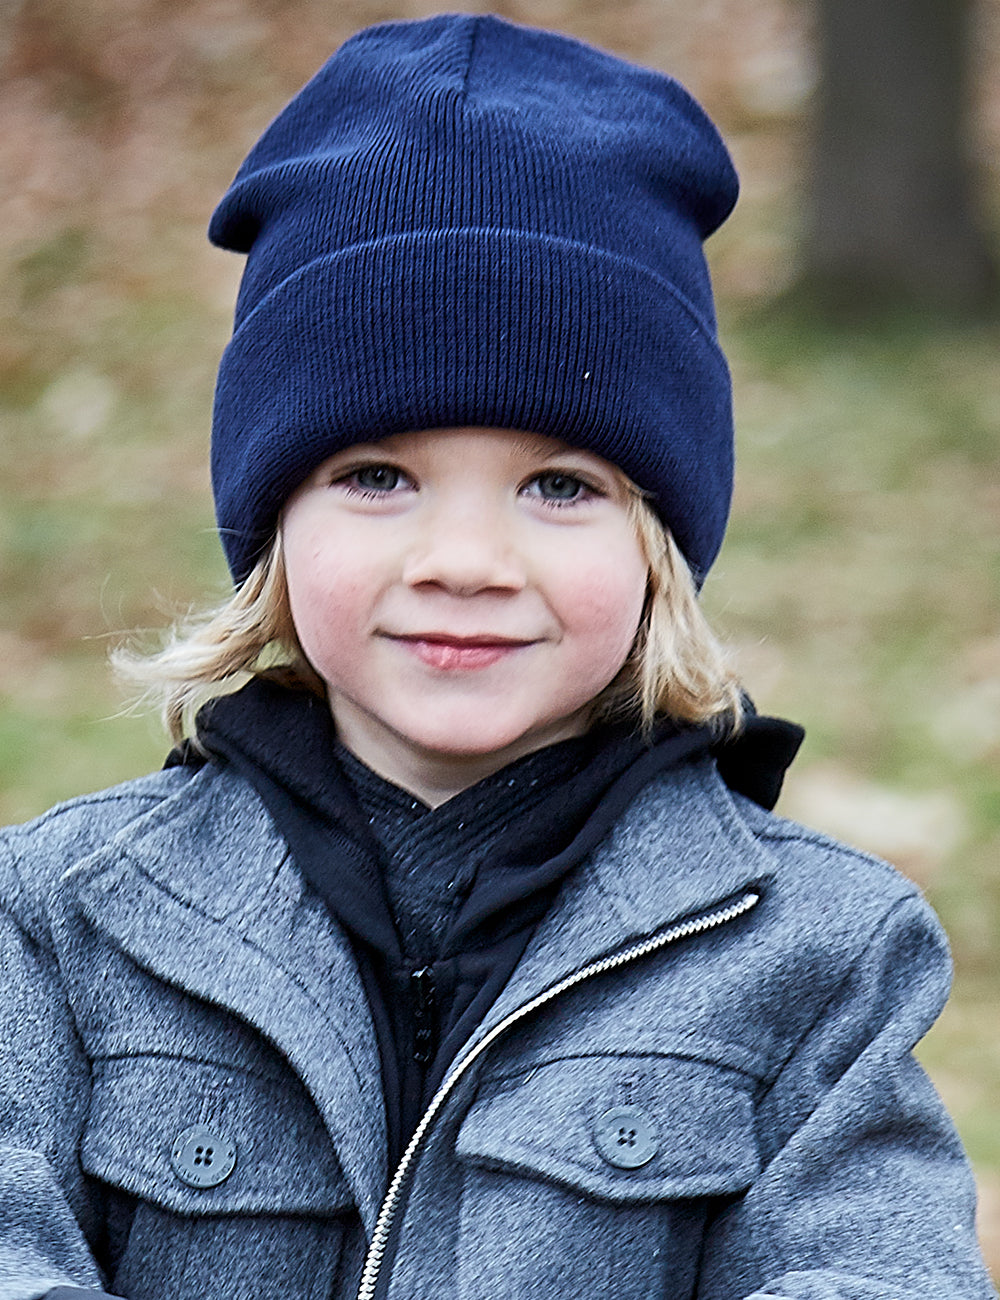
[(422, 990)]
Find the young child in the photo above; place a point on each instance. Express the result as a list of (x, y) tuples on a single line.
[(458, 953)]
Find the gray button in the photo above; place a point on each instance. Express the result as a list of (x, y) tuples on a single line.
[(202, 1157), (625, 1137)]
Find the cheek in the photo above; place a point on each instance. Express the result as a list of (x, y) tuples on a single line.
[(611, 616), (326, 596), (605, 601)]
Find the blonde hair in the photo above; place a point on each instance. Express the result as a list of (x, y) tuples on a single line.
[(251, 634), (676, 668)]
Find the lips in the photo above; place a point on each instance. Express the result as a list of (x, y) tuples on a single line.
[(460, 654)]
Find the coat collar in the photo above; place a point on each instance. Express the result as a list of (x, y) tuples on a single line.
[(201, 893), (680, 850)]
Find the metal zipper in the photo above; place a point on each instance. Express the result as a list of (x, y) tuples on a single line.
[(683, 930), (422, 993)]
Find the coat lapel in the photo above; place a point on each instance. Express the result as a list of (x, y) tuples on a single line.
[(201, 894)]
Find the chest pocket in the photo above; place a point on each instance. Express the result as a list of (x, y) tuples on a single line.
[(608, 1165), (622, 1129), (236, 1186)]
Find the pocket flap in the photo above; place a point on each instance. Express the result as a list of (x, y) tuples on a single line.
[(625, 1129), (259, 1145)]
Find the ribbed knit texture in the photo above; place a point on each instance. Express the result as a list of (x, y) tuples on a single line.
[(431, 855), (459, 222)]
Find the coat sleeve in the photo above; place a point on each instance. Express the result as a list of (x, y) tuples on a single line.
[(46, 1208), (865, 1192)]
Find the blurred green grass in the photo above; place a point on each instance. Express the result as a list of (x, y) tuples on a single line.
[(859, 585)]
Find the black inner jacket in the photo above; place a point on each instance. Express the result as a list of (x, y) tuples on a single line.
[(539, 817)]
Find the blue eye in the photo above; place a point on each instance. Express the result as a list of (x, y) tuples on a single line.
[(377, 478), (558, 487), (376, 481)]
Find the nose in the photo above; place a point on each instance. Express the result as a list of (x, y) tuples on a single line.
[(464, 551)]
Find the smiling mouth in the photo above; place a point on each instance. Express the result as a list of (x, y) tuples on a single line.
[(451, 653)]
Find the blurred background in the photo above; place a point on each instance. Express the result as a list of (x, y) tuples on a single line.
[(860, 585)]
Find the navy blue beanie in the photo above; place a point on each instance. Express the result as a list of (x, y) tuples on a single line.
[(460, 221)]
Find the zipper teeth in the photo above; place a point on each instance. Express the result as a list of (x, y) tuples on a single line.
[(685, 930)]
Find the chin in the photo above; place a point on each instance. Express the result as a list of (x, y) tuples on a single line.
[(472, 743), (474, 747)]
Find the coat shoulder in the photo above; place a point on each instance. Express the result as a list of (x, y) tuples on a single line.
[(36, 854), (837, 899), (692, 807), (821, 893), (800, 849)]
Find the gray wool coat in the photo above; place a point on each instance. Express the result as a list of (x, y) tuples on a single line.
[(698, 1082)]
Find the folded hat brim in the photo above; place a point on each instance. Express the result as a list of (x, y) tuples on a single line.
[(474, 327)]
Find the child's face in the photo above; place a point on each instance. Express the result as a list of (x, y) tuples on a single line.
[(464, 594)]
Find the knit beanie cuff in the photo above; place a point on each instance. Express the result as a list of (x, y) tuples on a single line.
[(474, 326)]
